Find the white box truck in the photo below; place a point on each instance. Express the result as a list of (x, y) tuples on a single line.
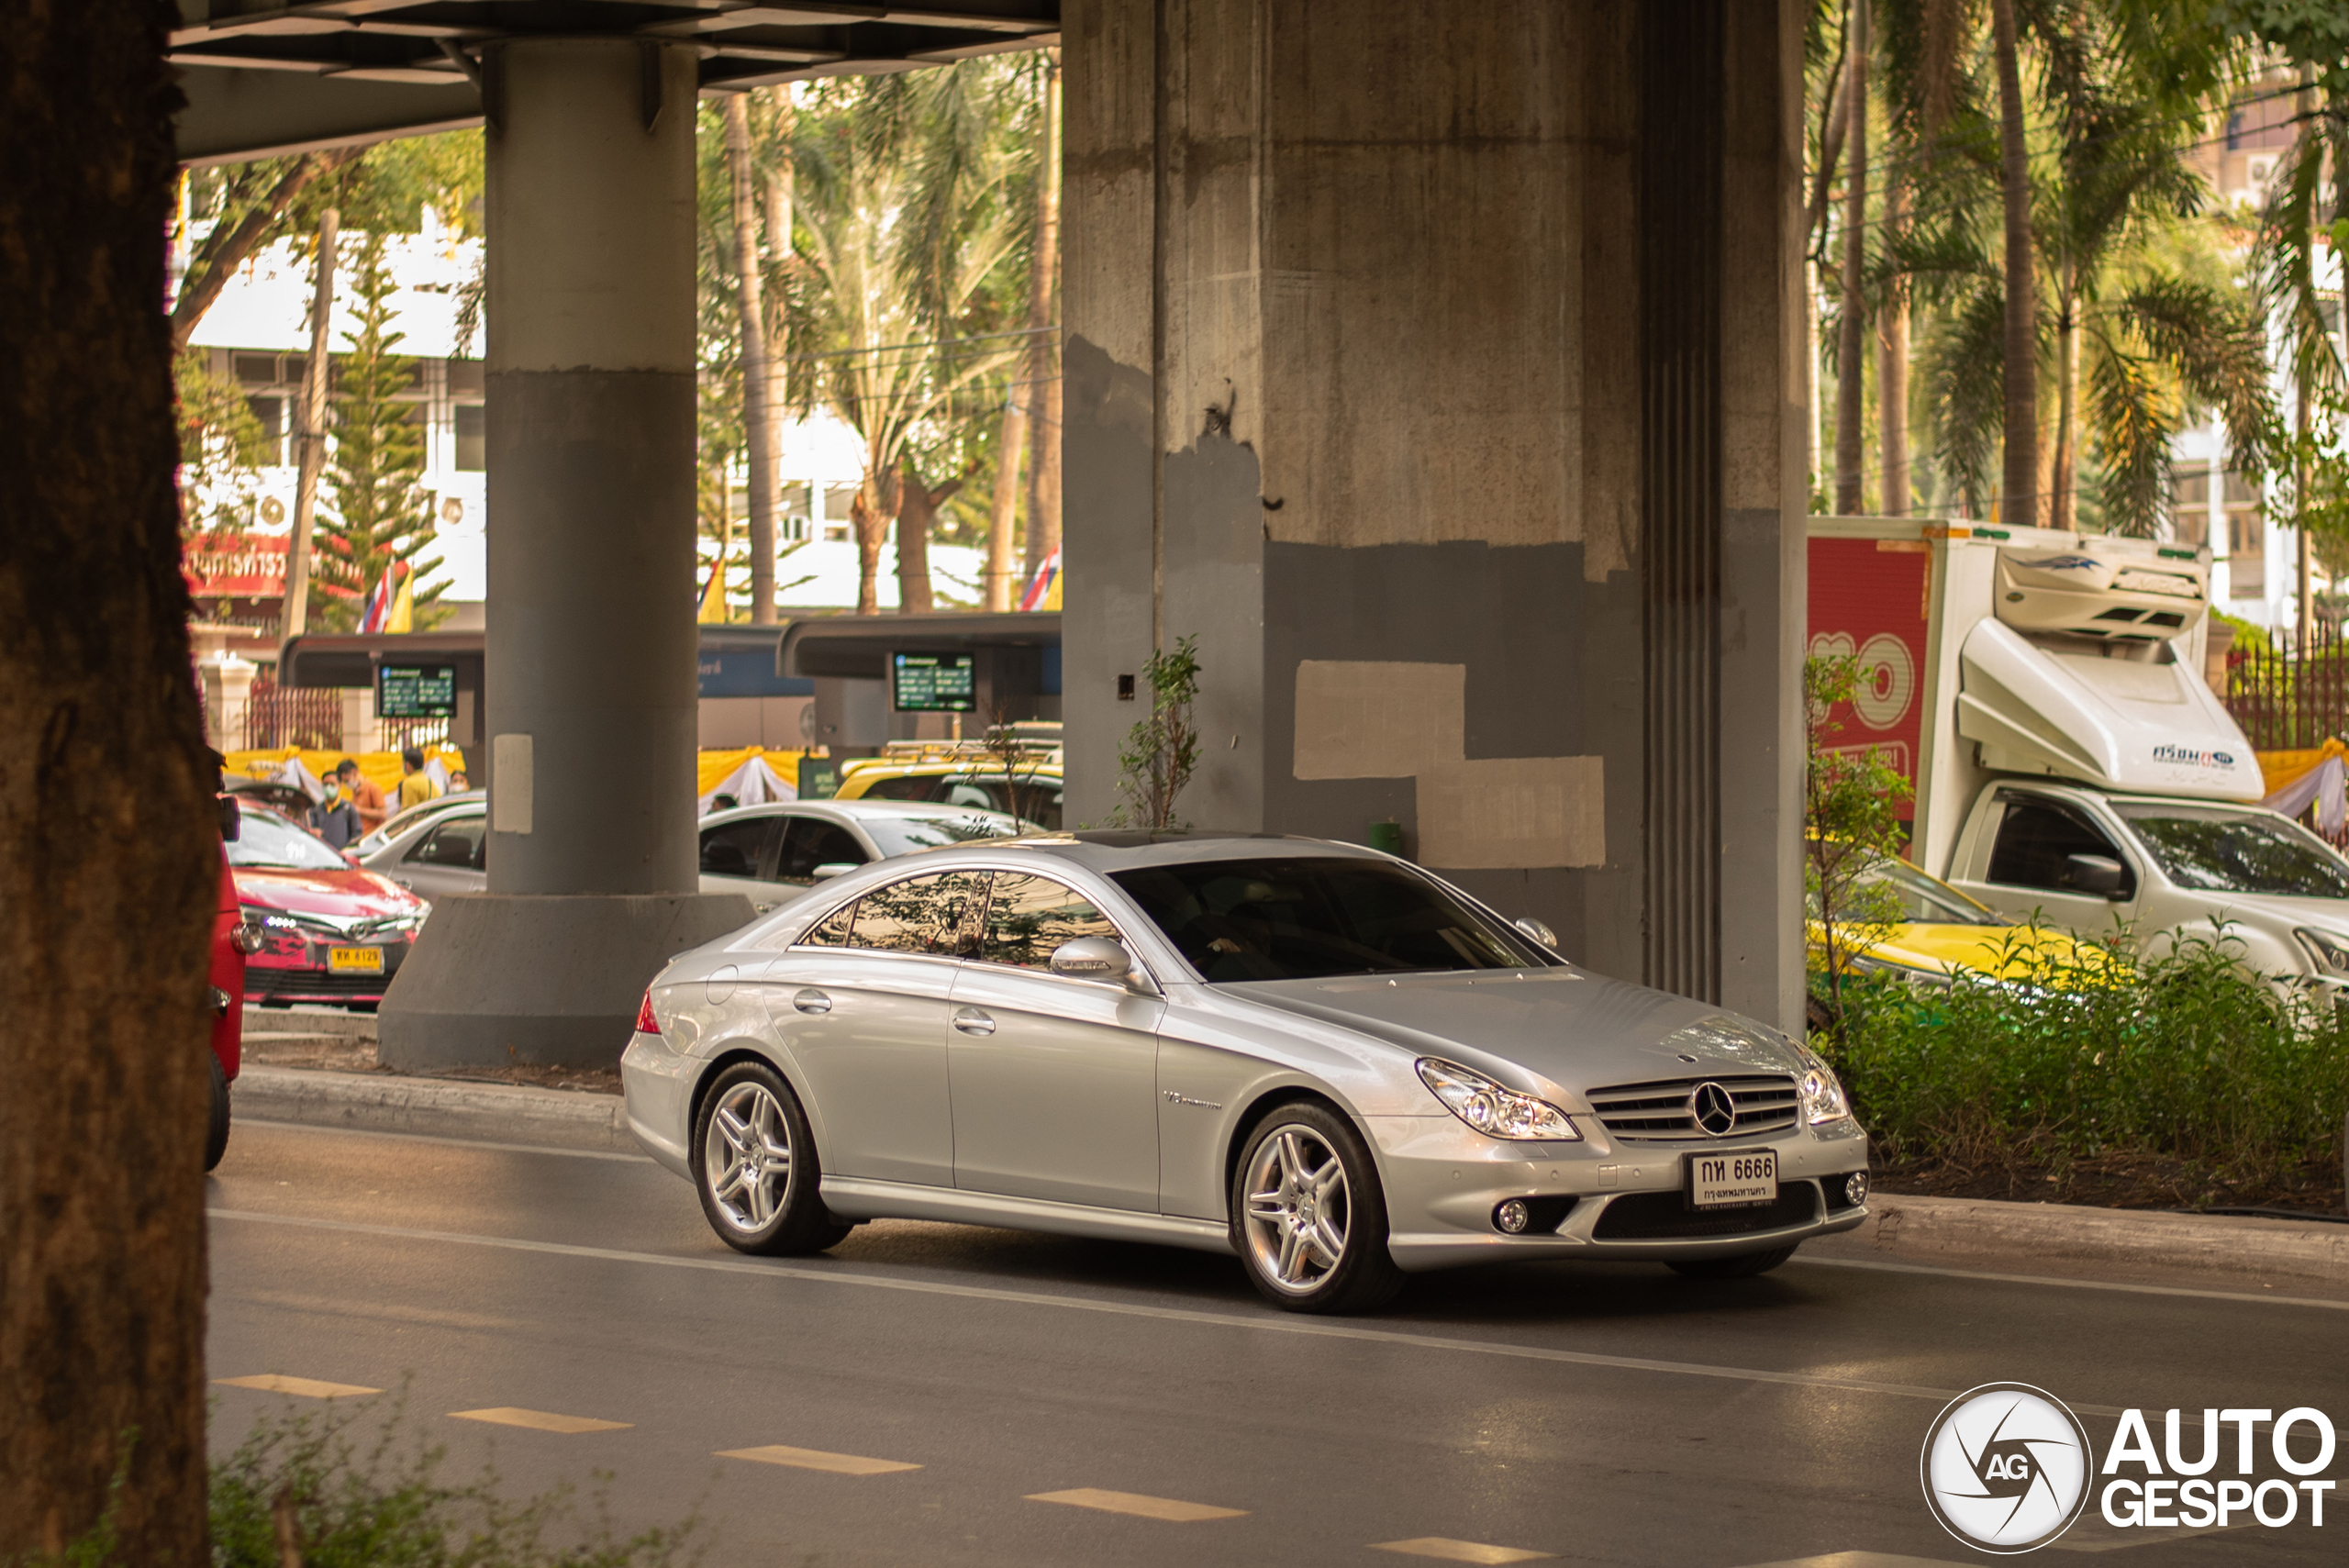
[(2045, 693)]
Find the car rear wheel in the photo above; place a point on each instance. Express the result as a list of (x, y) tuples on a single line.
[(215, 1127), (754, 1166), (1744, 1265), (1309, 1216)]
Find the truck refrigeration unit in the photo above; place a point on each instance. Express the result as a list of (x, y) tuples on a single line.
[(2044, 694)]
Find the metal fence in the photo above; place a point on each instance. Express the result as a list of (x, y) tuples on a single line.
[(281, 716), (399, 734), (2293, 697)]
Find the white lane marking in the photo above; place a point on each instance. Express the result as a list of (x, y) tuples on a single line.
[(1864, 1559), (817, 1459), (1268, 1324), (453, 1142), (305, 1387), (2075, 1284), (1452, 1550)]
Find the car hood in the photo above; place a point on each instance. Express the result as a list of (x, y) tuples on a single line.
[(2328, 915), (2008, 952), (338, 895), (1574, 1029)]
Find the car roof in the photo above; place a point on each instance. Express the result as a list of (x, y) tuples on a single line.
[(899, 809), (1114, 849)]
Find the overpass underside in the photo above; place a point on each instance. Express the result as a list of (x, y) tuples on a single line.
[(1439, 369)]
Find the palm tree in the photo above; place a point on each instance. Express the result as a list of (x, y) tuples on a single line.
[(903, 187)]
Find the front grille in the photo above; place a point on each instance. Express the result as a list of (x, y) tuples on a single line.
[(1666, 1217), (268, 980), (1658, 1112)]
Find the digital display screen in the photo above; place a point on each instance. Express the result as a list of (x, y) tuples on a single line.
[(933, 682), (416, 691)]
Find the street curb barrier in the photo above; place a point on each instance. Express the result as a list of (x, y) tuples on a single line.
[(1904, 1226), (309, 1023), (382, 1101)]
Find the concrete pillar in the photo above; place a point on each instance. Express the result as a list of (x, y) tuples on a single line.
[(1446, 385), (591, 641), (228, 697), (362, 730)]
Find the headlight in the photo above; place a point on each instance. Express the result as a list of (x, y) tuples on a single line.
[(1493, 1110), (1823, 1099), (2331, 953)]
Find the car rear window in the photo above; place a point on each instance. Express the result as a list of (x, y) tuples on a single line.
[(1302, 919)]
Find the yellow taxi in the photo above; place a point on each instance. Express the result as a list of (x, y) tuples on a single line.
[(1941, 932), (963, 773)]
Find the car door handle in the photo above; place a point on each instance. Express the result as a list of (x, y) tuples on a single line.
[(810, 1000), (970, 1020)]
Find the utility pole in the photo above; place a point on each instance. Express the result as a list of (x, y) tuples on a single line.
[(295, 616), (1851, 352)]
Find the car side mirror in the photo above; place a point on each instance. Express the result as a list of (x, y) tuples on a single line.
[(2097, 874), (231, 819), (1538, 930), (830, 869), (1092, 958)]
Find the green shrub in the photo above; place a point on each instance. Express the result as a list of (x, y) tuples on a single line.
[(2181, 1053)]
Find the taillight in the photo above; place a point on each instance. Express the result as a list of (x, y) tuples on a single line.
[(645, 1022)]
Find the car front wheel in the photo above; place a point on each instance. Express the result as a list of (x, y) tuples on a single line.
[(756, 1168), (1310, 1218), (215, 1126)]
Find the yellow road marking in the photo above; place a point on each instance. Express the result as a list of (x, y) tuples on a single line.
[(817, 1459), (307, 1387), (1460, 1551), (1136, 1504), (538, 1420)]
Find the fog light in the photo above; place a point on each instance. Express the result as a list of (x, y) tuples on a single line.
[(1513, 1217), (1855, 1188)]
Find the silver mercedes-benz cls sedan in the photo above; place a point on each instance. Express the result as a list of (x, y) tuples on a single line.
[(1310, 1054)]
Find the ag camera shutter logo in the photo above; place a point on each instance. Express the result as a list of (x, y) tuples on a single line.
[(2006, 1467)]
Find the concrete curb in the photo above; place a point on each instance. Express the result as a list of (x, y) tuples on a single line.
[(307, 1023), (2018, 1234), (380, 1102)]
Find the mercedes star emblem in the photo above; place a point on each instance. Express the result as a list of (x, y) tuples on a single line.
[(1712, 1110)]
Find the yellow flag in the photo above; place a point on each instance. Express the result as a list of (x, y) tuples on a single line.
[(713, 597), (403, 616)]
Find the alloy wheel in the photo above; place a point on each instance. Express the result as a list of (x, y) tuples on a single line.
[(746, 1161), (1299, 1209)]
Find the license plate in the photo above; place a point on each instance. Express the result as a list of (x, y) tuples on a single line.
[(355, 961), (1735, 1178)]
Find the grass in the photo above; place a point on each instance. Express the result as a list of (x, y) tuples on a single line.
[(2183, 1055)]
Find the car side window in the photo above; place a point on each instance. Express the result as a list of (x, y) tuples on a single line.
[(936, 915), (1027, 917), (736, 849), (810, 842), (969, 792), (457, 844), (2036, 840), (833, 929)]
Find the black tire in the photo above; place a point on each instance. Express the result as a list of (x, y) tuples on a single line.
[(1742, 1265), (215, 1126), (1291, 1216), (777, 1209)]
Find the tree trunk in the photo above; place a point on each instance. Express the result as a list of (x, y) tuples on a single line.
[(1044, 360), (875, 504), (758, 424), (1002, 577), (917, 515), (1892, 373), (293, 613), (2062, 475), (1850, 353), (209, 272), (779, 246), (2019, 504), (108, 866)]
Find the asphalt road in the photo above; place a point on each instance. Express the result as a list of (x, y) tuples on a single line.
[(930, 1387)]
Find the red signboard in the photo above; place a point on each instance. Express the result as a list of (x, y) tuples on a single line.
[(1869, 600), (235, 566)]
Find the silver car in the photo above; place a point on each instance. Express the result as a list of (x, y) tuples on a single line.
[(771, 852), (1315, 1056)]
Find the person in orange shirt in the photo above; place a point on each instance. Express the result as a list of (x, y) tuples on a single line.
[(363, 794)]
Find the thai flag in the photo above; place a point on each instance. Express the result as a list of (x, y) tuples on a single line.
[(379, 598), (1040, 588)]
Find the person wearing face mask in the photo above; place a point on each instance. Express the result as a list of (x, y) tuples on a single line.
[(335, 819)]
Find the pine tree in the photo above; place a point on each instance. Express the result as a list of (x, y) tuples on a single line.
[(381, 513)]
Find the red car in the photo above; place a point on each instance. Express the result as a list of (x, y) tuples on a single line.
[(329, 930), (231, 938)]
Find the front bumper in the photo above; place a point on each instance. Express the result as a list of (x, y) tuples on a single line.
[(293, 968), (1443, 1180)]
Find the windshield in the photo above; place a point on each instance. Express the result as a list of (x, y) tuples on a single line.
[(1302, 919), (266, 839), (2226, 851), (897, 835)]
